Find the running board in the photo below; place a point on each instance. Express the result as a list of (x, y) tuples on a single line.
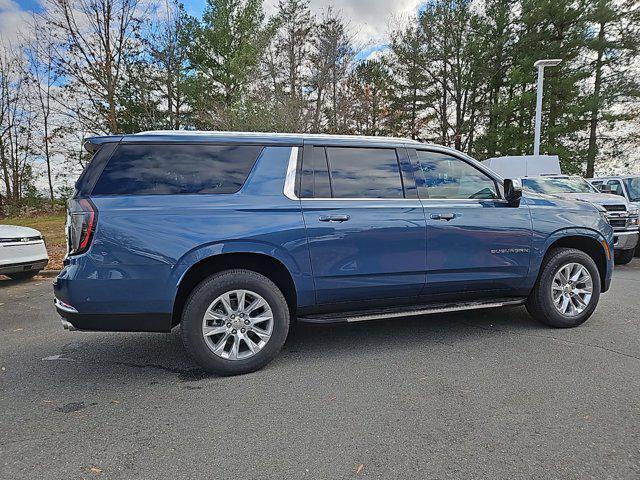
[(410, 311)]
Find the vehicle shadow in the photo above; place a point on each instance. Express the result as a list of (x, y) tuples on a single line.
[(96, 356)]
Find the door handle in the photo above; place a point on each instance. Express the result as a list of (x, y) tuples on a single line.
[(333, 218), (443, 216)]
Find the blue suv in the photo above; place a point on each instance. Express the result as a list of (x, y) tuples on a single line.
[(233, 235)]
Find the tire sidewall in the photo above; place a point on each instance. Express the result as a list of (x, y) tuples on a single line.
[(202, 297), (624, 257), (553, 316), (19, 276)]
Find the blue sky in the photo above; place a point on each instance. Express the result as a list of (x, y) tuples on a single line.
[(29, 5)]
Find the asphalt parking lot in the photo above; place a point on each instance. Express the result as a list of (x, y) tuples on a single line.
[(468, 395)]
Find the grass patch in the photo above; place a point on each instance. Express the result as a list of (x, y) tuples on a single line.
[(52, 227)]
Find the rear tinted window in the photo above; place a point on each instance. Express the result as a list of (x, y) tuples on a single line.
[(315, 175), (176, 169), (364, 173)]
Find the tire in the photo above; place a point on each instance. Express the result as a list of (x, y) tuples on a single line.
[(23, 275), (623, 257), (540, 303), (638, 249), (201, 301)]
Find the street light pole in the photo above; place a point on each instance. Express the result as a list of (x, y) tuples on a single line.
[(540, 64)]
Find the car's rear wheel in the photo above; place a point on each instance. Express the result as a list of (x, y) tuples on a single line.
[(567, 290), (235, 322), (23, 275), (623, 257)]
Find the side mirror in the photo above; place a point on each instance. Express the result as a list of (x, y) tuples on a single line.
[(512, 192)]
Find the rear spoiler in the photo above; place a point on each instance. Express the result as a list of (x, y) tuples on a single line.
[(92, 144)]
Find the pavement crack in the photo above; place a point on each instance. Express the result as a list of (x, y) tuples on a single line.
[(570, 342)]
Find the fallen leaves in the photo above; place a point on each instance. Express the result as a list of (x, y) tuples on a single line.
[(359, 468), (95, 470)]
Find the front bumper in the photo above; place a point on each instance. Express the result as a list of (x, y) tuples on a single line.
[(23, 267), (625, 240)]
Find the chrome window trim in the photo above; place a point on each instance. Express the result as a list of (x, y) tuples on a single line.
[(290, 179), (292, 170)]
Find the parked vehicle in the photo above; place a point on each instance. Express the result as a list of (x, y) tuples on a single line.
[(627, 186), (233, 235), (622, 216), (22, 252)]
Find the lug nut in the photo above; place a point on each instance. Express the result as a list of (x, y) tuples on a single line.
[(228, 324), (233, 316), (243, 330), (246, 322), (234, 331)]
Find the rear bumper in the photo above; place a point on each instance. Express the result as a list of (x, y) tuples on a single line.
[(625, 240), (121, 322), (111, 300), (23, 266)]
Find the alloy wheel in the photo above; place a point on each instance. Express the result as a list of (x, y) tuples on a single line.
[(572, 289), (237, 324)]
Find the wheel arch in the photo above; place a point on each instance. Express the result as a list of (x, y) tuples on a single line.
[(589, 242), (266, 265)]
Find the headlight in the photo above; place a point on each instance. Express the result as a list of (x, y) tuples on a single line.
[(633, 215)]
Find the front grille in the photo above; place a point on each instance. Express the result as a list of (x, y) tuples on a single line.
[(615, 208), (618, 222), (19, 239)]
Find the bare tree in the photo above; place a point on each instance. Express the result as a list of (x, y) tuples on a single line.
[(167, 45), (330, 60), (16, 121), (293, 42), (43, 75), (98, 38)]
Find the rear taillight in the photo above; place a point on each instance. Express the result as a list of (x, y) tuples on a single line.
[(81, 223)]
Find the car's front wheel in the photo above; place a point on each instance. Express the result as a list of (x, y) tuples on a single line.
[(235, 322), (567, 290)]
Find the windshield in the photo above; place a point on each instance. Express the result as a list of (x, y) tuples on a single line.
[(633, 188), (552, 186)]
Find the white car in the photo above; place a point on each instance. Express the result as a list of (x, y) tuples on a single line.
[(22, 252)]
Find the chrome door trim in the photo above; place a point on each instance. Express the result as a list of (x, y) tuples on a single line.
[(290, 180)]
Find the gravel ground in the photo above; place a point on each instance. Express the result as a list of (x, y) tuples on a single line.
[(487, 394)]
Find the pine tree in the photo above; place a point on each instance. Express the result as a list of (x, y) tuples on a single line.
[(409, 62), (225, 52)]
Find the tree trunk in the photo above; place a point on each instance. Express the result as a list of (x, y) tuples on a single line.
[(592, 150)]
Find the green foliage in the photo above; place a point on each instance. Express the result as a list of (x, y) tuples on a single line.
[(223, 58)]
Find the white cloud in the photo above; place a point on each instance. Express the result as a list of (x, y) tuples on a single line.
[(12, 21), (370, 20)]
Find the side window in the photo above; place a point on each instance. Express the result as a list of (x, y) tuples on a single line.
[(315, 174), (616, 187), (146, 169), (447, 176), (364, 172)]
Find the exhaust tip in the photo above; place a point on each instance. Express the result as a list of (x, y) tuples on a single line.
[(67, 325)]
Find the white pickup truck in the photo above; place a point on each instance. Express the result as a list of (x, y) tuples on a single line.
[(22, 252), (541, 174)]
